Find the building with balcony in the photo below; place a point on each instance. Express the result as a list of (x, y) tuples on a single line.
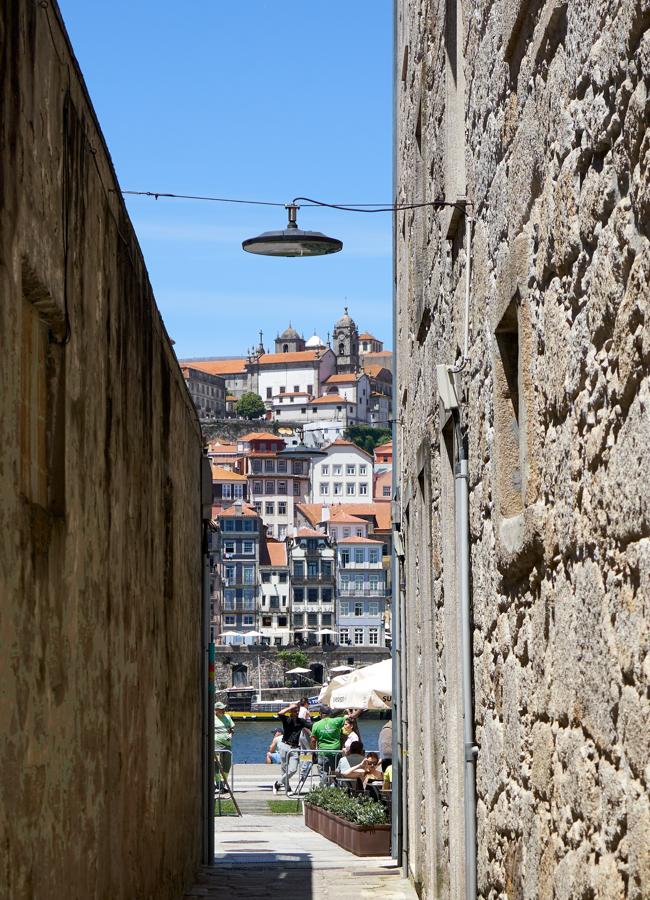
[(313, 584), (227, 487), (276, 482), (361, 592), (275, 593), (236, 598)]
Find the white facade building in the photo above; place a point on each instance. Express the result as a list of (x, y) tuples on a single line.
[(343, 476), (361, 589), (292, 372), (275, 593), (355, 388)]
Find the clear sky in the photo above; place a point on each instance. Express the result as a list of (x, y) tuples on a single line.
[(264, 100)]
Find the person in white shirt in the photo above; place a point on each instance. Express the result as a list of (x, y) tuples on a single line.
[(303, 711)]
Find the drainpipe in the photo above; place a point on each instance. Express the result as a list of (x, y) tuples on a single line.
[(470, 750)]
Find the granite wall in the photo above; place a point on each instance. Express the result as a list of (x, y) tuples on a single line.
[(537, 112), (100, 567)]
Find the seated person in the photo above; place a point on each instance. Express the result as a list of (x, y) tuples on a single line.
[(273, 753), (349, 735), (367, 770), (353, 758)]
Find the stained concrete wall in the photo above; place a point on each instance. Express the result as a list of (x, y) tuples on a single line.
[(538, 111), (100, 566)]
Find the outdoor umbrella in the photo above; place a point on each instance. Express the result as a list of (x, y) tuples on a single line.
[(230, 634), (252, 634), (326, 631), (368, 688), (341, 669), (298, 671)]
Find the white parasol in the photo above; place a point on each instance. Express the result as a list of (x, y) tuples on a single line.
[(298, 671), (368, 688)]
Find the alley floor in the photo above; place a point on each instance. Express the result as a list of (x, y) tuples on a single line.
[(267, 856)]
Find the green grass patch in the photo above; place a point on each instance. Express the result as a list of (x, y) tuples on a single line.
[(227, 808), (285, 807)]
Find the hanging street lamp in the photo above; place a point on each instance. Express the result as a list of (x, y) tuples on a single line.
[(292, 241)]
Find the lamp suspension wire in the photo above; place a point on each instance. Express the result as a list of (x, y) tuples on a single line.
[(305, 201)]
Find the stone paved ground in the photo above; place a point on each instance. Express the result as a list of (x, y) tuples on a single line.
[(267, 857)]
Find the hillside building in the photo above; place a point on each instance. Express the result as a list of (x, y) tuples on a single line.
[(236, 606), (313, 584), (275, 593), (276, 482), (208, 393), (361, 591), (344, 475)]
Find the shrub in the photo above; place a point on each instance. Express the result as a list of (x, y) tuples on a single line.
[(360, 810)]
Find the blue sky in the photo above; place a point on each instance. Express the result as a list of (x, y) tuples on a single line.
[(258, 100)]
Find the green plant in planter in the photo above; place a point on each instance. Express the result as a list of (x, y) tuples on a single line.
[(360, 810)]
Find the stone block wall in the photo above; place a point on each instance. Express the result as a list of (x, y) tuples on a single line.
[(537, 111), (100, 567)]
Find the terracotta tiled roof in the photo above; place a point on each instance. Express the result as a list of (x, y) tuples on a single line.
[(218, 366), (374, 370), (329, 398), (273, 553), (304, 356), (246, 510), (215, 447), (359, 540), (379, 353), (260, 436), (309, 532), (219, 474), (341, 379), (381, 512), (343, 518), (366, 336), (342, 442), (385, 448)]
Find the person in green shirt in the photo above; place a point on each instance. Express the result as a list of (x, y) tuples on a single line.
[(223, 732), (326, 735)]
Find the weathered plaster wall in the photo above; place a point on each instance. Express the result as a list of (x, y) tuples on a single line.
[(551, 144), (100, 578)]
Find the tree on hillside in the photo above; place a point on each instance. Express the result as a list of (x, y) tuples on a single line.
[(367, 437), (250, 406)]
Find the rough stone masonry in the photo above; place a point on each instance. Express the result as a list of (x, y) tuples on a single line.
[(537, 113), (100, 516)]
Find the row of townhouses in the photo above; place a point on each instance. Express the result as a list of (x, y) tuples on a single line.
[(294, 558), (323, 387)]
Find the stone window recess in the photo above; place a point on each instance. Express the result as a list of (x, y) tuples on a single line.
[(510, 412), (42, 398)]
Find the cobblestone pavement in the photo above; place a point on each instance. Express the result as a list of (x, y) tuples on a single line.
[(268, 857)]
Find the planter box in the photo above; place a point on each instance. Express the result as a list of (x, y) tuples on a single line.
[(362, 840)]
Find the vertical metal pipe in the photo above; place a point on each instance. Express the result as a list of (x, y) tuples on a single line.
[(207, 779), (461, 479)]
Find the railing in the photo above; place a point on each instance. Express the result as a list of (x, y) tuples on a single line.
[(220, 776), (351, 591), (303, 763), (361, 565), (312, 579)]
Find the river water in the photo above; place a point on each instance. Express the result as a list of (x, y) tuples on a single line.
[(251, 739)]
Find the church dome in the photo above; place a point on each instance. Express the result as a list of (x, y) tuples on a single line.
[(290, 334), (345, 321), (314, 342)]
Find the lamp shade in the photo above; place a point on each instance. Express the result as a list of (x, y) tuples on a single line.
[(292, 241)]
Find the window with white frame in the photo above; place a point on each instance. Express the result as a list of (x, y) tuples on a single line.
[(325, 470), (296, 487), (363, 489), (373, 636), (249, 574), (226, 491), (336, 470), (358, 635), (269, 465), (247, 547), (282, 487), (358, 555), (359, 532), (269, 487), (344, 608), (358, 609), (282, 465), (257, 487), (386, 490), (373, 608), (346, 532), (338, 488), (373, 556), (350, 470), (269, 509), (228, 546), (374, 584), (362, 470), (350, 489), (324, 487), (248, 620), (344, 635), (238, 491), (282, 508), (229, 620)]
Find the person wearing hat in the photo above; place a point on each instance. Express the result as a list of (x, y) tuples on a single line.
[(223, 732)]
